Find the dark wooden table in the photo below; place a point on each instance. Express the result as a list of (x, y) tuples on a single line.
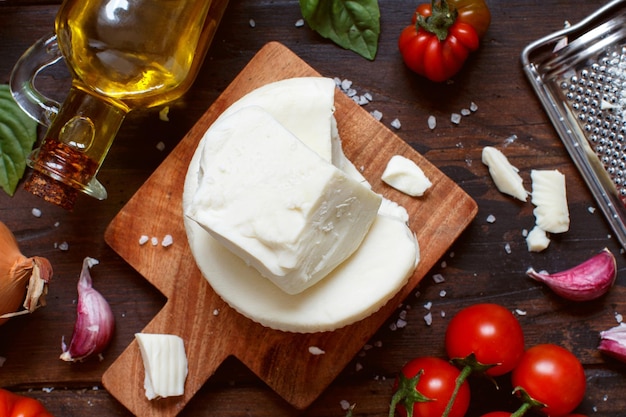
[(477, 268)]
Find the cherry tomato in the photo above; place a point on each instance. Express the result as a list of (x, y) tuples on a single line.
[(425, 387), (14, 405), (552, 376), (490, 333)]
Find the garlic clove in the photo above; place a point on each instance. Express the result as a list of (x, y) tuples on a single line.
[(587, 281), (94, 322), (613, 342)]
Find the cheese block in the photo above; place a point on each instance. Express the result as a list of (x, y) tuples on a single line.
[(274, 202), (357, 288)]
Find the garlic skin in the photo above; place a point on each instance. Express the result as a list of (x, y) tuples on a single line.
[(94, 322), (23, 281), (586, 281), (613, 342)]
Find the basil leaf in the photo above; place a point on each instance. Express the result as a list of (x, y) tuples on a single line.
[(18, 133), (351, 24)]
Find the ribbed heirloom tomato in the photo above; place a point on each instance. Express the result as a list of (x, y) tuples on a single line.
[(442, 35), (14, 405)]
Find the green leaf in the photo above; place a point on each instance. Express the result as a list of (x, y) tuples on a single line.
[(351, 24), (18, 134)]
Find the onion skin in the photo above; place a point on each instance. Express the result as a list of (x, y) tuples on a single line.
[(587, 281), (94, 322)]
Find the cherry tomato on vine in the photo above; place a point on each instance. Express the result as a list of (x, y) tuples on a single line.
[(442, 35), (424, 388), (490, 333), (552, 376)]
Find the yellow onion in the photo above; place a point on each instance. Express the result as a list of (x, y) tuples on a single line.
[(23, 281)]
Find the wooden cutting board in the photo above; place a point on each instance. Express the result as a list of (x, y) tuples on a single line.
[(211, 330)]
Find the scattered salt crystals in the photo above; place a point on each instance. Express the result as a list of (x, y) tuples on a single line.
[(491, 218), (57, 224), (64, 246), (160, 146), (358, 367), (216, 312), (168, 240), (345, 405), (605, 398), (618, 317), (473, 107), (402, 315), (510, 140), (428, 318), (455, 118), (314, 350), (345, 85), (143, 239), (432, 122), (299, 23), (36, 212), (401, 324), (428, 305), (524, 232), (443, 314), (438, 278), (465, 112), (351, 92), (2, 361), (367, 347), (164, 114), (377, 115), (507, 248), (47, 389), (591, 210), (252, 23), (395, 123), (154, 241), (442, 293), (378, 343), (443, 264), (520, 312)]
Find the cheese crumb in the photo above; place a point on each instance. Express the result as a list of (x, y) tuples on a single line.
[(314, 350)]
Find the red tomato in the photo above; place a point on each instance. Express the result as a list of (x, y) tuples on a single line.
[(552, 376), (14, 405), (426, 384), (441, 36), (488, 331)]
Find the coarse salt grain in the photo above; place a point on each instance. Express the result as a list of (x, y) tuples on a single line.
[(491, 218), (400, 324), (160, 146), (428, 318), (143, 239), (154, 241), (216, 312), (36, 212), (345, 405), (395, 123), (168, 240), (591, 210), (507, 248), (455, 118), (252, 23), (64, 246), (428, 305), (299, 23), (442, 293), (377, 115), (432, 122), (465, 112), (619, 318), (473, 106), (520, 312), (438, 278), (314, 350)]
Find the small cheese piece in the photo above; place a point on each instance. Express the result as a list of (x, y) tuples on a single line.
[(504, 175), (307, 216), (537, 240), (550, 200), (165, 364), (404, 175)]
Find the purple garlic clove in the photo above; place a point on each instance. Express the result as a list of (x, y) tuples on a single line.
[(587, 281), (613, 342)]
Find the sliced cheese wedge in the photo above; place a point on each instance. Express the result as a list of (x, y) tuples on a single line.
[(165, 364), (275, 203)]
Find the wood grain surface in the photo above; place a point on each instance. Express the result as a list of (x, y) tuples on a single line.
[(487, 263), (280, 359)]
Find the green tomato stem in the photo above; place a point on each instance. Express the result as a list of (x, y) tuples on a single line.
[(522, 410), (465, 372)]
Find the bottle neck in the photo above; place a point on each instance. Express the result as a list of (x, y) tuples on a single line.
[(74, 148)]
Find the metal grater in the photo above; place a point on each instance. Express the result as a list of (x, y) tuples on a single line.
[(579, 74)]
